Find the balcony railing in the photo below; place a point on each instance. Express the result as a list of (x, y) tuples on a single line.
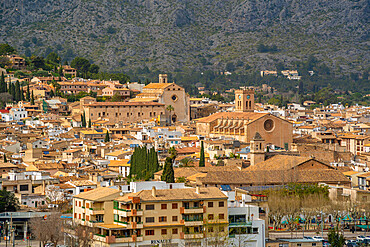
[(242, 223)]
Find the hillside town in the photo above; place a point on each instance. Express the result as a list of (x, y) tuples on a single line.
[(156, 167)]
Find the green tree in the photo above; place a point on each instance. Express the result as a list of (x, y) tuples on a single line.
[(107, 138), (28, 95), (81, 64), (168, 174), (202, 161), (17, 93), (170, 109), (116, 98), (6, 49), (5, 159), (53, 58), (8, 202), (32, 99), (94, 69), (3, 87), (335, 238), (89, 123)]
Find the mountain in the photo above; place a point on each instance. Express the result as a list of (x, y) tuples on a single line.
[(200, 34)]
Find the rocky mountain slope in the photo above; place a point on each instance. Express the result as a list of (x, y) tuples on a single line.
[(174, 34)]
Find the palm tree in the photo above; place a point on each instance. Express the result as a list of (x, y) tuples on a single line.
[(170, 109), (186, 161)]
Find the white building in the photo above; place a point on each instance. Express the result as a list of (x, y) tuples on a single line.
[(18, 113), (245, 226)]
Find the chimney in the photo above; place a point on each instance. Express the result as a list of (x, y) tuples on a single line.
[(197, 190), (154, 191)]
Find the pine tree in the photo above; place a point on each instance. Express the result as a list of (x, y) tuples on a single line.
[(2, 83), (168, 174), (22, 95), (17, 93), (28, 95), (32, 99), (12, 91), (202, 162), (107, 138), (84, 123)]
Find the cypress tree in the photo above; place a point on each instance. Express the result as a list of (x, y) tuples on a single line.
[(5, 159), (22, 94), (28, 95), (89, 122), (85, 122), (17, 93), (107, 138), (2, 83), (32, 99), (12, 91), (82, 120), (202, 162), (168, 174)]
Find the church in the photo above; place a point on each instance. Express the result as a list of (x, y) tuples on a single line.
[(243, 123), (167, 94)]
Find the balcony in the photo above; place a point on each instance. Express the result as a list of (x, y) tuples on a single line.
[(135, 225), (93, 223), (242, 223), (193, 235), (196, 221), (195, 210), (95, 211), (121, 223), (117, 239)]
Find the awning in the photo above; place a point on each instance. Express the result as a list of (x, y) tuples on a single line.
[(111, 226), (364, 226)]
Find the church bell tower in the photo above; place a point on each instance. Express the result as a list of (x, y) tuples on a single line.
[(244, 100)]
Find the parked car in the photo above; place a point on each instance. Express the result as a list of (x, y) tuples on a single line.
[(310, 238), (362, 237), (319, 238)]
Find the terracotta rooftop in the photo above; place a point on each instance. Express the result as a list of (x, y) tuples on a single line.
[(176, 195), (251, 116), (124, 104), (101, 193)]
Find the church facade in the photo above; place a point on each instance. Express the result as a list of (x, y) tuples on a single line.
[(244, 123)]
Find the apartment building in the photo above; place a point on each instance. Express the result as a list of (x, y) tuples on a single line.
[(165, 217)]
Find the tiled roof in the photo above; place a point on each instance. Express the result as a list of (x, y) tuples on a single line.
[(251, 116), (280, 162), (124, 104), (157, 85), (176, 194), (101, 193)]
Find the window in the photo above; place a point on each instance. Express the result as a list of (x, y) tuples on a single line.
[(164, 231), (149, 207), (221, 216), (174, 205), (162, 219), (221, 204), (79, 203), (210, 204), (313, 244), (149, 232), (210, 229), (163, 206), (149, 219), (210, 217), (174, 218), (75, 216), (174, 231)]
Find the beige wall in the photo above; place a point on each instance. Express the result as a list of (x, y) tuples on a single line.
[(125, 114), (180, 104)]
